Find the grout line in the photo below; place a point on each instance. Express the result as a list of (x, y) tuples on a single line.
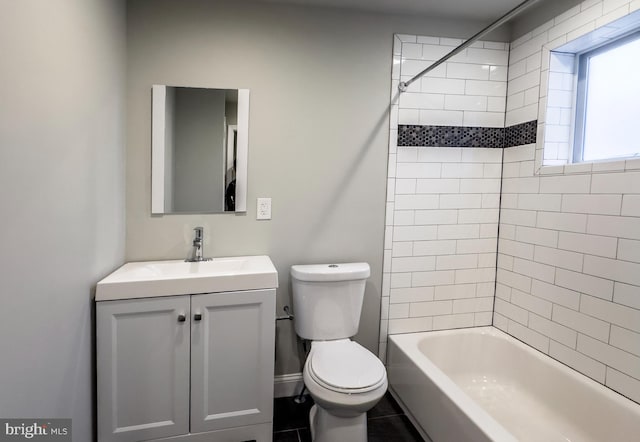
[(384, 417), (290, 429), (495, 283)]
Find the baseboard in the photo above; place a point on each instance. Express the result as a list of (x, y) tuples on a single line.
[(287, 385)]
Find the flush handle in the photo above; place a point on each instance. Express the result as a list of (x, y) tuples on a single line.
[(197, 317)]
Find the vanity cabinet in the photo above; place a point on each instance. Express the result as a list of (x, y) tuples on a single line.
[(186, 368)]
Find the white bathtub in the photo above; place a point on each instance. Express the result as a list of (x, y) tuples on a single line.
[(480, 384)]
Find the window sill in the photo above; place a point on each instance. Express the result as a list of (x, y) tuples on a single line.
[(592, 167)]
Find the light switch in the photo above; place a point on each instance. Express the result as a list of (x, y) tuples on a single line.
[(264, 208)]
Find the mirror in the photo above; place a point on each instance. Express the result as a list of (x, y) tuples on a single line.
[(199, 148)]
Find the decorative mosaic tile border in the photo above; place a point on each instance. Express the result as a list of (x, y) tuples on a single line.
[(521, 134), (460, 136)]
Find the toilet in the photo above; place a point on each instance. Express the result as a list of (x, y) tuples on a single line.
[(344, 379)]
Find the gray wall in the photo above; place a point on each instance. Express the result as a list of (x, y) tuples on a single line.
[(62, 196), (198, 150), (539, 14), (320, 84)]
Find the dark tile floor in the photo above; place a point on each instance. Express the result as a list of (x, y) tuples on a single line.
[(386, 422)]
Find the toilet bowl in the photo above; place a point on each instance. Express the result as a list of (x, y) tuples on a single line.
[(344, 378)]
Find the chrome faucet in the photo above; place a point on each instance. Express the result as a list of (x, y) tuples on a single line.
[(197, 253)]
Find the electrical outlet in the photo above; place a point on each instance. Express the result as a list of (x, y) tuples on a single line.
[(264, 208)]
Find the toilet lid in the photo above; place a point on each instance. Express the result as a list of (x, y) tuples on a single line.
[(345, 365)]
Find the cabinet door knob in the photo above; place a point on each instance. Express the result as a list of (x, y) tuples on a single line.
[(197, 317), (182, 318)]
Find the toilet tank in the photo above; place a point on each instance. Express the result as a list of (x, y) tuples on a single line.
[(327, 299)]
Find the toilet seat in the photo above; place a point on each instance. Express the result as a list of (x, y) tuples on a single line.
[(345, 366)]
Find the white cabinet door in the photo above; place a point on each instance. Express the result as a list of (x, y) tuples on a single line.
[(143, 368), (232, 359)]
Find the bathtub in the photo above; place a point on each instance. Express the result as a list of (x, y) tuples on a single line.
[(480, 384)]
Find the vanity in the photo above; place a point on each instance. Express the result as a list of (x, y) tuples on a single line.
[(185, 351)]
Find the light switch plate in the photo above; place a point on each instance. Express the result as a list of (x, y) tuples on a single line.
[(263, 208)]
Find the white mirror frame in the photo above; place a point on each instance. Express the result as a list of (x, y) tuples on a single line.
[(159, 95)]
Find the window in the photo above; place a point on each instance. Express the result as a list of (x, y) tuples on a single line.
[(608, 101)]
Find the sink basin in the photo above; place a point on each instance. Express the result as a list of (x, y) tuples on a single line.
[(181, 269), (166, 278)]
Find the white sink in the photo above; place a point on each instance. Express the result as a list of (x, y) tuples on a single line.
[(166, 278)]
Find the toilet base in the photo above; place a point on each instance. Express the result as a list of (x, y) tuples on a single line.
[(326, 427)]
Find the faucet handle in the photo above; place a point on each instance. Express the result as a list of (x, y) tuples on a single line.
[(198, 232)]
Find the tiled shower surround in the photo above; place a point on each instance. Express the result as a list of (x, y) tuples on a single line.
[(568, 262), (569, 252), (442, 203)]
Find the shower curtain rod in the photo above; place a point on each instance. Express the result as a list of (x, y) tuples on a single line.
[(499, 22)]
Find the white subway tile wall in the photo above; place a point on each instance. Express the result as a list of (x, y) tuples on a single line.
[(561, 83), (468, 90), (568, 258), (568, 269), (569, 255), (443, 202)]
